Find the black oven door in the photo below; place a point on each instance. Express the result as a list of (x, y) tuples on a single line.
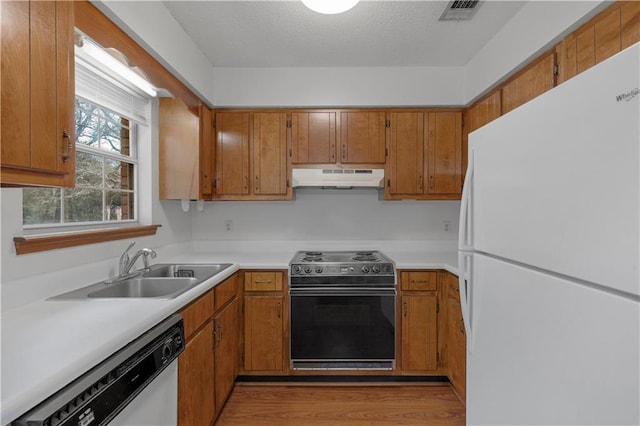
[(341, 329)]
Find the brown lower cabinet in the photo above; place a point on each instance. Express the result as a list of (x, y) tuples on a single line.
[(456, 338), (208, 367), (418, 322), (264, 323)]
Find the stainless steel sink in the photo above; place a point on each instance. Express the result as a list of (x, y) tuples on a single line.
[(192, 270), (162, 281), (146, 287)]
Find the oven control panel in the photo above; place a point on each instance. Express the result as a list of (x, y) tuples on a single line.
[(343, 269)]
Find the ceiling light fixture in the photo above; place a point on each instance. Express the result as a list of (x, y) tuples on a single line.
[(330, 7), (104, 58)]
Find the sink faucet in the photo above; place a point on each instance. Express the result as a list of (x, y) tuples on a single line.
[(126, 264)]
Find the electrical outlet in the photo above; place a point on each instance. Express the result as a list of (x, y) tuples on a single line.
[(228, 225), (447, 225)]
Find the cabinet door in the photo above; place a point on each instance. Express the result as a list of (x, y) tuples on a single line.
[(205, 152), (37, 81), (196, 403), (419, 332), (536, 79), (406, 153), (456, 348), (270, 170), (445, 153), (227, 332), (263, 333), (478, 115), (629, 23), (313, 137), (178, 156), (362, 137), (232, 153)]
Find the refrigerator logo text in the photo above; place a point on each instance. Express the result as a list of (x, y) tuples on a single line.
[(628, 96)]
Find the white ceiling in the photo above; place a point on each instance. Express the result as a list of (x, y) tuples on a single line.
[(375, 33)]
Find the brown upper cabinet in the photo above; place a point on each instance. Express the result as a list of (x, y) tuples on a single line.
[(232, 153), (362, 137), (425, 155), (444, 155), (614, 29), (313, 137), (530, 83), (405, 167), (37, 92), (252, 161), (185, 157), (270, 166)]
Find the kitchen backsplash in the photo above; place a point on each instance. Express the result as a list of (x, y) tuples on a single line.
[(328, 214)]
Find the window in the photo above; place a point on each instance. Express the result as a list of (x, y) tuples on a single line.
[(105, 190)]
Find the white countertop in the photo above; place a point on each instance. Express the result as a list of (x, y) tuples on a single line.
[(47, 344)]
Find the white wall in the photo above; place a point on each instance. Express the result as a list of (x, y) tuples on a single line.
[(377, 86), (536, 27), (328, 214), (151, 25)]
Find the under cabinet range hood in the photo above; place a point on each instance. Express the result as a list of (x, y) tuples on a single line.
[(338, 178)]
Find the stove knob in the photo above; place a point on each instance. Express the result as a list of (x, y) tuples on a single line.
[(307, 269), (365, 269), (296, 269), (376, 269), (318, 269)]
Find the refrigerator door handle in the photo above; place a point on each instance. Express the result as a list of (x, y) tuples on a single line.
[(465, 224), (465, 268)]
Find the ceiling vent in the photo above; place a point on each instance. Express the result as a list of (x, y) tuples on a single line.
[(460, 10)]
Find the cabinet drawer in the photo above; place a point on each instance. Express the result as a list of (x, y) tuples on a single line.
[(419, 280), (225, 291), (197, 313), (263, 281)]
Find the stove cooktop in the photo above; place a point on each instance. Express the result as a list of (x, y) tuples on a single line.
[(341, 263), (340, 257)]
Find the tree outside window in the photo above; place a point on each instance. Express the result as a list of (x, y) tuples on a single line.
[(105, 189)]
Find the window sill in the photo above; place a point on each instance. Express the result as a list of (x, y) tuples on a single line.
[(34, 244)]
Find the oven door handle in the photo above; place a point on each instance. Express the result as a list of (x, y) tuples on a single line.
[(333, 291)]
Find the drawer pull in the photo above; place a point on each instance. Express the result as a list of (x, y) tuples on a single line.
[(279, 310), (404, 305), (419, 281), (262, 281)]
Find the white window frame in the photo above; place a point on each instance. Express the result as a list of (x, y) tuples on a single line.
[(131, 159)]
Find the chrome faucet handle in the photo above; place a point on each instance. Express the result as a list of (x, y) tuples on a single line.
[(145, 258), (124, 258)]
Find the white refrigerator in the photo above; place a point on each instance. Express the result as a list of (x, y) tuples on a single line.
[(549, 255)]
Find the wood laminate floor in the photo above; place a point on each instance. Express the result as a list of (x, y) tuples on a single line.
[(301, 405)]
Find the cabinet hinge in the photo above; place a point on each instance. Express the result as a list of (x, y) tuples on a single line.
[(288, 124), (386, 152), (556, 70), (290, 152), (387, 123)]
